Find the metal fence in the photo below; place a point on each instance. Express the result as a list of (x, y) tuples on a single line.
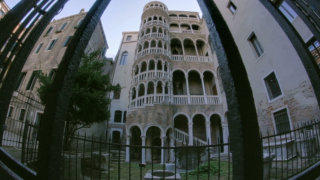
[(285, 154)]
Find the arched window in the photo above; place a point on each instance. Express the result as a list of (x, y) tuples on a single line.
[(148, 31), (159, 65), (150, 88), (160, 30), (146, 45), (133, 95), (153, 43), (124, 58), (139, 48), (160, 44), (117, 116), (159, 87), (154, 29), (151, 65)]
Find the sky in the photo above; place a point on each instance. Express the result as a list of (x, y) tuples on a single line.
[(120, 16)]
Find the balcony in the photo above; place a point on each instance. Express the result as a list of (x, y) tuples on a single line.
[(149, 75), (191, 58), (154, 35), (150, 100), (152, 51), (155, 23)]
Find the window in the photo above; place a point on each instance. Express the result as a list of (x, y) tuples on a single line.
[(281, 120), (1, 13), (256, 44), (67, 41), (129, 38), (117, 94), (79, 23), (10, 112), (272, 85), (52, 73), (38, 48), (63, 26), (38, 118), (52, 43), (314, 48), (232, 7), (22, 114), (49, 30), (20, 80), (33, 80), (125, 117), (287, 11), (124, 58), (117, 116)]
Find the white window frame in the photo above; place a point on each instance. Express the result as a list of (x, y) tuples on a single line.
[(232, 10), (274, 121), (252, 45), (114, 116), (122, 60), (129, 37), (266, 89)]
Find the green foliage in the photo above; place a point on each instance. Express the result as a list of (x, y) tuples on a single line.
[(88, 102)]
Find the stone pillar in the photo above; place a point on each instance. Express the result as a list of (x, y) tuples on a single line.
[(195, 45), (190, 125), (128, 148), (188, 92), (162, 149), (172, 157), (208, 131), (204, 90), (143, 151), (225, 132)]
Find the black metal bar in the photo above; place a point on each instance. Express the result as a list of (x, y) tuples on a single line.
[(162, 148), (91, 154), (229, 159), (100, 141), (130, 150), (119, 167), (269, 150), (208, 151), (175, 160), (109, 160), (292, 168), (83, 151), (187, 151), (152, 162), (219, 168), (287, 161), (198, 162), (301, 159), (24, 139), (276, 152), (77, 156)]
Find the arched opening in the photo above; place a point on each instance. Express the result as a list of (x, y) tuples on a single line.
[(165, 46), (139, 48), (160, 44), (159, 87), (194, 80), (150, 88), (135, 140), (201, 47), (166, 66), (189, 48), (133, 93), (155, 18), (209, 83), (173, 15), (183, 16), (193, 16), (165, 32), (150, 19), (136, 70), (185, 27), (141, 90), (174, 27), (142, 33), (153, 138), (169, 135), (179, 83), (116, 137), (153, 44), (159, 65), (216, 130), (143, 66), (160, 30), (199, 127), (146, 45), (154, 29), (151, 65), (181, 123), (144, 21), (195, 27), (160, 18), (148, 31), (176, 47)]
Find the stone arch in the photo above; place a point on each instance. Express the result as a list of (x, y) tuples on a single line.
[(155, 18), (146, 45), (195, 27), (185, 27), (159, 87), (173, 15), (159, 44), (159, 65), (189, 47), (153, 138), (192, 16), (149, 19), (199, 126), (176, 46), (135, 140), (133, 93), (139, 48), (136, 70), (179, 82), (166, 89), (154, 29), (153, 43), (181, 122), (160, 18), (174, 27), (195, 85), (151, 65), (210, 83), (148, 31), (143, 66), (160, 30), (150, 89), (216, 130), (141, 90), (182, 16), (201, 47), (166, 67)]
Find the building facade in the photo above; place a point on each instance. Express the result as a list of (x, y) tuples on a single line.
[(46, 57), (282, 91), (170, 90), (4, 8)]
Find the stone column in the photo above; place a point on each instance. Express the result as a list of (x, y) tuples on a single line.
[(208, 131), (162, 149), (143, 151), (225, 132), (195, 45), (188, 92), (128, 148), (204, 90), (190, 125)]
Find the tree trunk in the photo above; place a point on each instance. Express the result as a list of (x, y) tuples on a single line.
[(15, 37), (51, 132), (9, 83), (10, 21)]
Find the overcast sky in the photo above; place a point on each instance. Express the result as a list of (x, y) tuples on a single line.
[(120, 16)]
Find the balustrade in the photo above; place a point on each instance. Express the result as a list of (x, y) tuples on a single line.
[(155, 23), (154, 35), (190, 58), (150, 75), (152, 51)]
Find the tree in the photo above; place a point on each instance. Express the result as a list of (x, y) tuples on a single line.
[(89, 103)]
